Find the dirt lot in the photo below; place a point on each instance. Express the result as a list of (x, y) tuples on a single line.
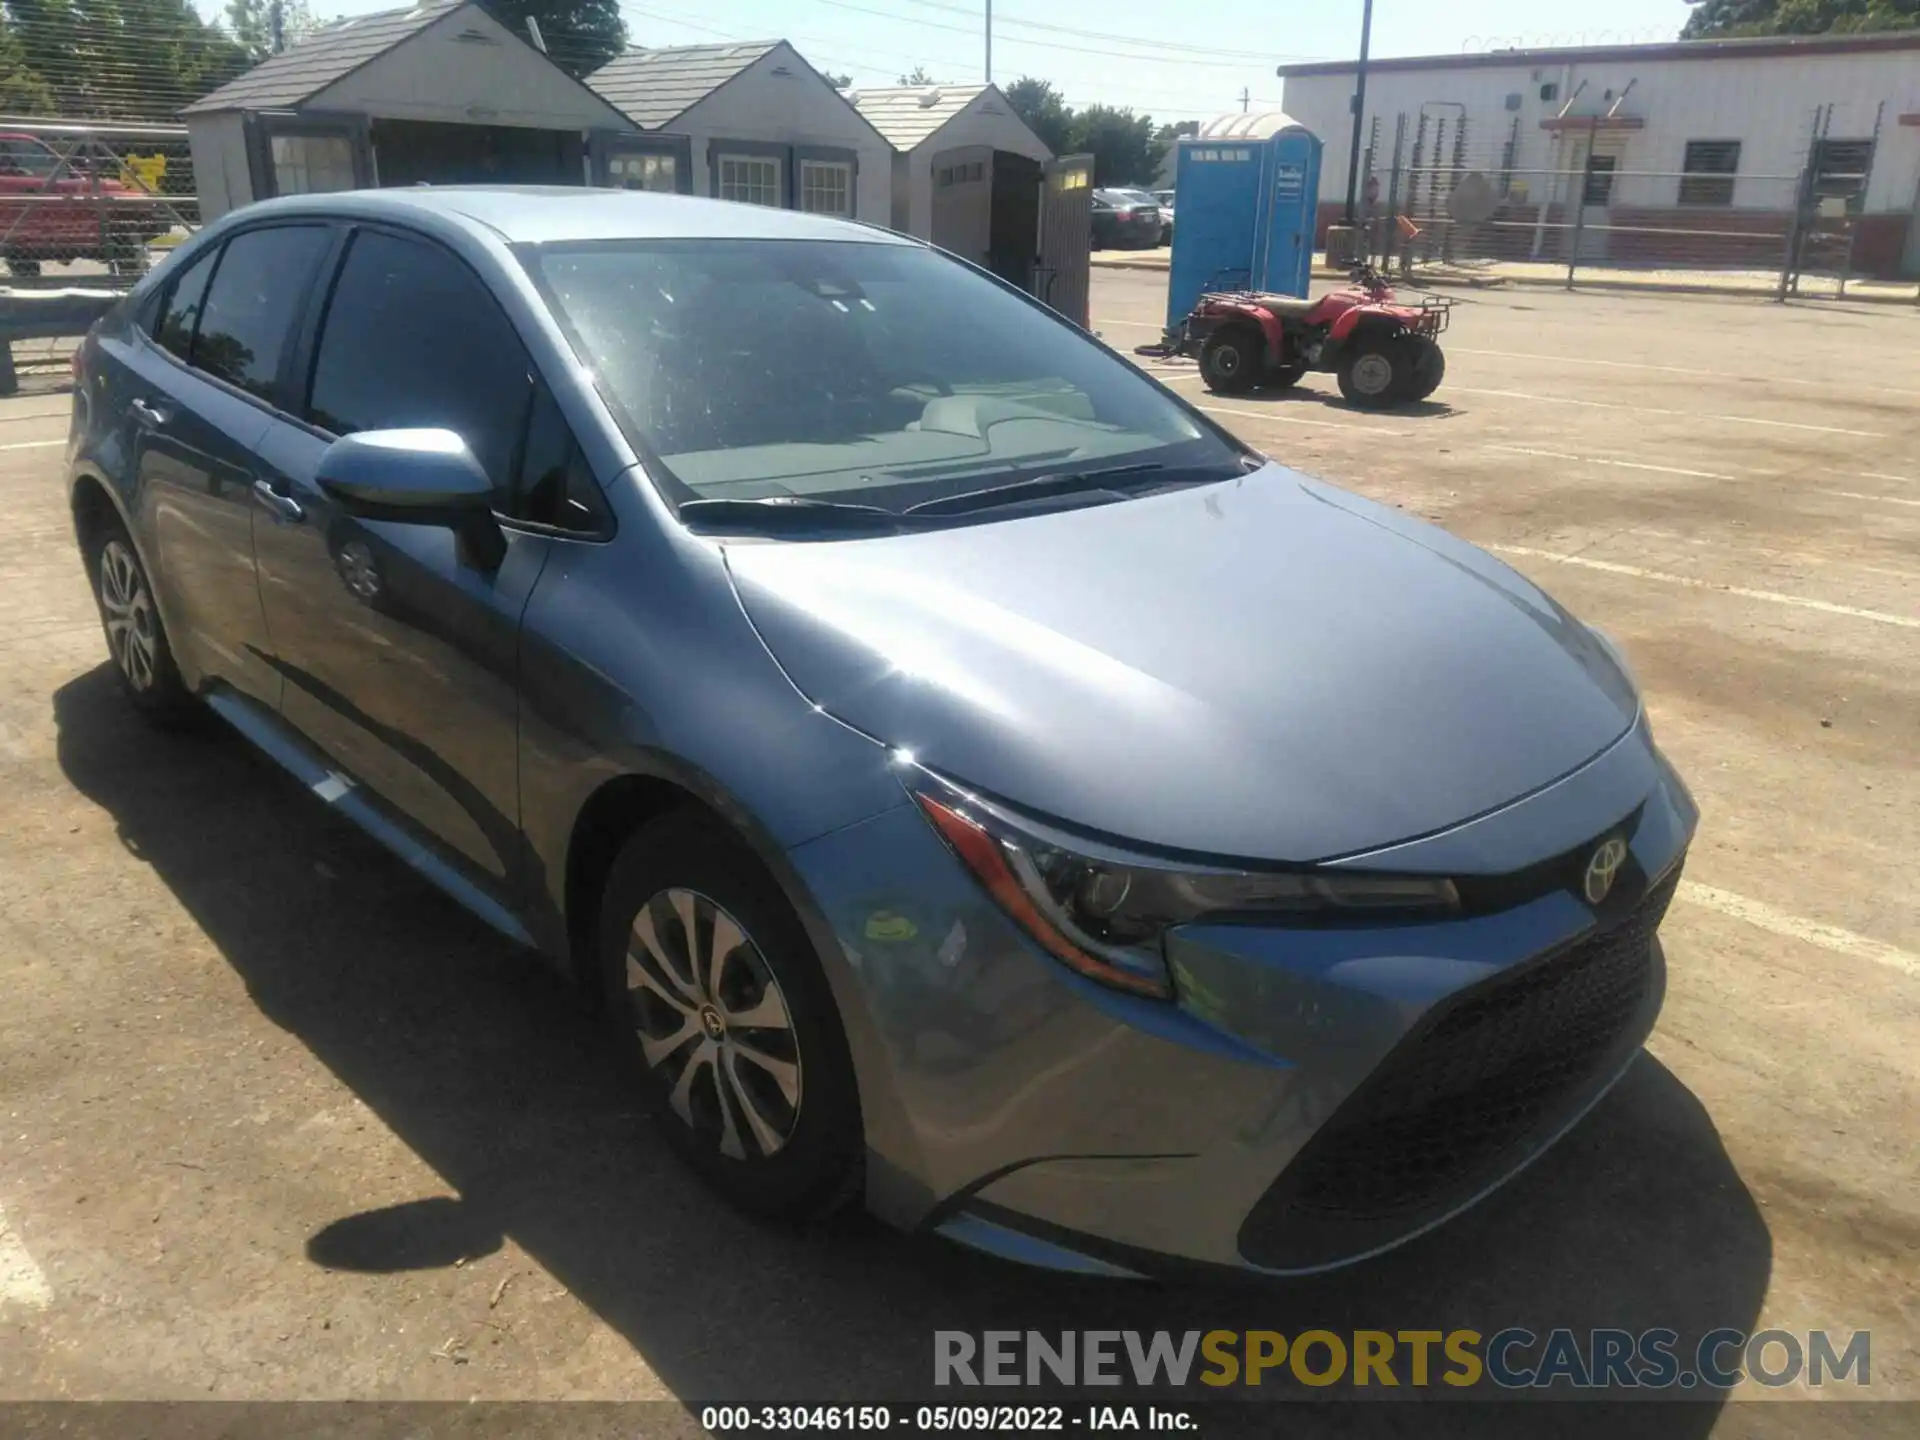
[(280, 1122)]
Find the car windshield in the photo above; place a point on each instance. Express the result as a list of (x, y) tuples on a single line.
[(882, 375)]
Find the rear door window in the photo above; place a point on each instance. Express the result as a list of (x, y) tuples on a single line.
[(179, 312), (258, 290), (413, 339)]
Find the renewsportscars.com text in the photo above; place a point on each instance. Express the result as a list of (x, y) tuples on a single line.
[(1510, 1359)]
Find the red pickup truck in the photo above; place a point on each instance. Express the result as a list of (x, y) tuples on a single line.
[(55, 209)]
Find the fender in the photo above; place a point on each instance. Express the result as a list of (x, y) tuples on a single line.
[(1222, 313), (1371, 316)]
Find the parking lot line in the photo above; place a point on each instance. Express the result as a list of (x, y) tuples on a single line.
[(33, 444), (1621, 464), (1883, 499), (21, 1280), (1678, 370), (1371, 431), (1655, 410), (1774, 597), (1814, 932)]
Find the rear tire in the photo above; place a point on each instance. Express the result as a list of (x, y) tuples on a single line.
[(1231, 359), (136, 636), (739, 1054), (1376, 371), (1284, 378)]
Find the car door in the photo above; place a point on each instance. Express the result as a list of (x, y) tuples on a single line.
[(397, 646), (200, 397)]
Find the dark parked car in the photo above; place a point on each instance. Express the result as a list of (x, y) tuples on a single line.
[(972, 781), (1124, 221)]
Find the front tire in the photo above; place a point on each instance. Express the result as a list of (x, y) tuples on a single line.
[(1283, 378), (1429, 369), (136, 635), (1231, 359), (724, 1014), (1376, 372)]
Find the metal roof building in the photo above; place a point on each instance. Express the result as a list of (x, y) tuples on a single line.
[(1699, 141)]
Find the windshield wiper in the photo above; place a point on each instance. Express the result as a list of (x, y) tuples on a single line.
[(1038, 487), (790, 512)]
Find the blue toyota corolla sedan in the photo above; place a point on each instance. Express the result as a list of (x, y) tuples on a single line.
[(975, 784)]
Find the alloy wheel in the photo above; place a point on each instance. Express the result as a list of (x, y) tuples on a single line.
[(713, 1024), (127, 607)]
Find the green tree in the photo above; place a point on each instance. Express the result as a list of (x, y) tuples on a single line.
[(23, 91), (250, 22), (838, 82), (121, 59), (1125, 149), (581, 35), (1716, 19), (1044, 110), (919, 77)]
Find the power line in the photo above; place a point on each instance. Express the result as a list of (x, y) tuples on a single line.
[(1244, 54), (1247, 63)]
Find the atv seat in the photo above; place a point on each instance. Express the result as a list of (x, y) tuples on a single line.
[(1286, 304)]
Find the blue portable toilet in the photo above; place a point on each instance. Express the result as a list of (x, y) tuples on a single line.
[(1245, 189)]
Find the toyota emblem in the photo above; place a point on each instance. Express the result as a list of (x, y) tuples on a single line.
[(1602, 868)]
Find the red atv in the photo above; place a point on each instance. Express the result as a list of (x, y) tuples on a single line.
[(1382, 352), (57, 208)]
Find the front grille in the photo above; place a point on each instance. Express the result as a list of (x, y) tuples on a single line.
[(1486, 1076)]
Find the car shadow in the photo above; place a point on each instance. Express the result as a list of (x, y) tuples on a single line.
[(494, 1076)]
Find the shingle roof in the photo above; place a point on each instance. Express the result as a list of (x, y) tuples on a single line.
[(328, 55), (653, 86), (909, 114)]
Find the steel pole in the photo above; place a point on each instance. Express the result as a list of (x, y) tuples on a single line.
[(989, 42), (1359, 109)]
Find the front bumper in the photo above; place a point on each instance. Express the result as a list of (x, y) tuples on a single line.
[(1314, 1096)]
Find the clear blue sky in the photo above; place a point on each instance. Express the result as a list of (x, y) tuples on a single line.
[(1175, 59)]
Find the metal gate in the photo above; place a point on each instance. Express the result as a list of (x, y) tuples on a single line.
[(92, 204), (1066, 236)]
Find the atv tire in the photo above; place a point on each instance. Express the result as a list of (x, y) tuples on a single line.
[(1377, 372), (1232, 359), (1429, 369)]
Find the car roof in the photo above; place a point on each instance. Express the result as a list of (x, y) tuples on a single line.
[(541, 214)]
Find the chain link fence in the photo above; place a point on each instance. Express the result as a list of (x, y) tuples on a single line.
[(91, 204), (1448, 192)]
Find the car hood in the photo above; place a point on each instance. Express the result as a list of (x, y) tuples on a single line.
[(1265, 668)]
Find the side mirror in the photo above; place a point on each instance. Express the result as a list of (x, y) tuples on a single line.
[(417, 477)]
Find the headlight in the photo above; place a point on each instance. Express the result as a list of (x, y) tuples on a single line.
[(1106, 917)]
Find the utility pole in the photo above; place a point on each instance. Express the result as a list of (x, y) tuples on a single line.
[(989, 42), (276, 26), (1359, 109), (1246, 99)]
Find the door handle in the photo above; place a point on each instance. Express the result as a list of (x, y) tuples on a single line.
[(282, 507), (148, 413)]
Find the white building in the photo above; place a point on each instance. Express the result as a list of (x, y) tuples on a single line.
[(1679, 137), (439, 92), (953, 144), (758, 124)]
